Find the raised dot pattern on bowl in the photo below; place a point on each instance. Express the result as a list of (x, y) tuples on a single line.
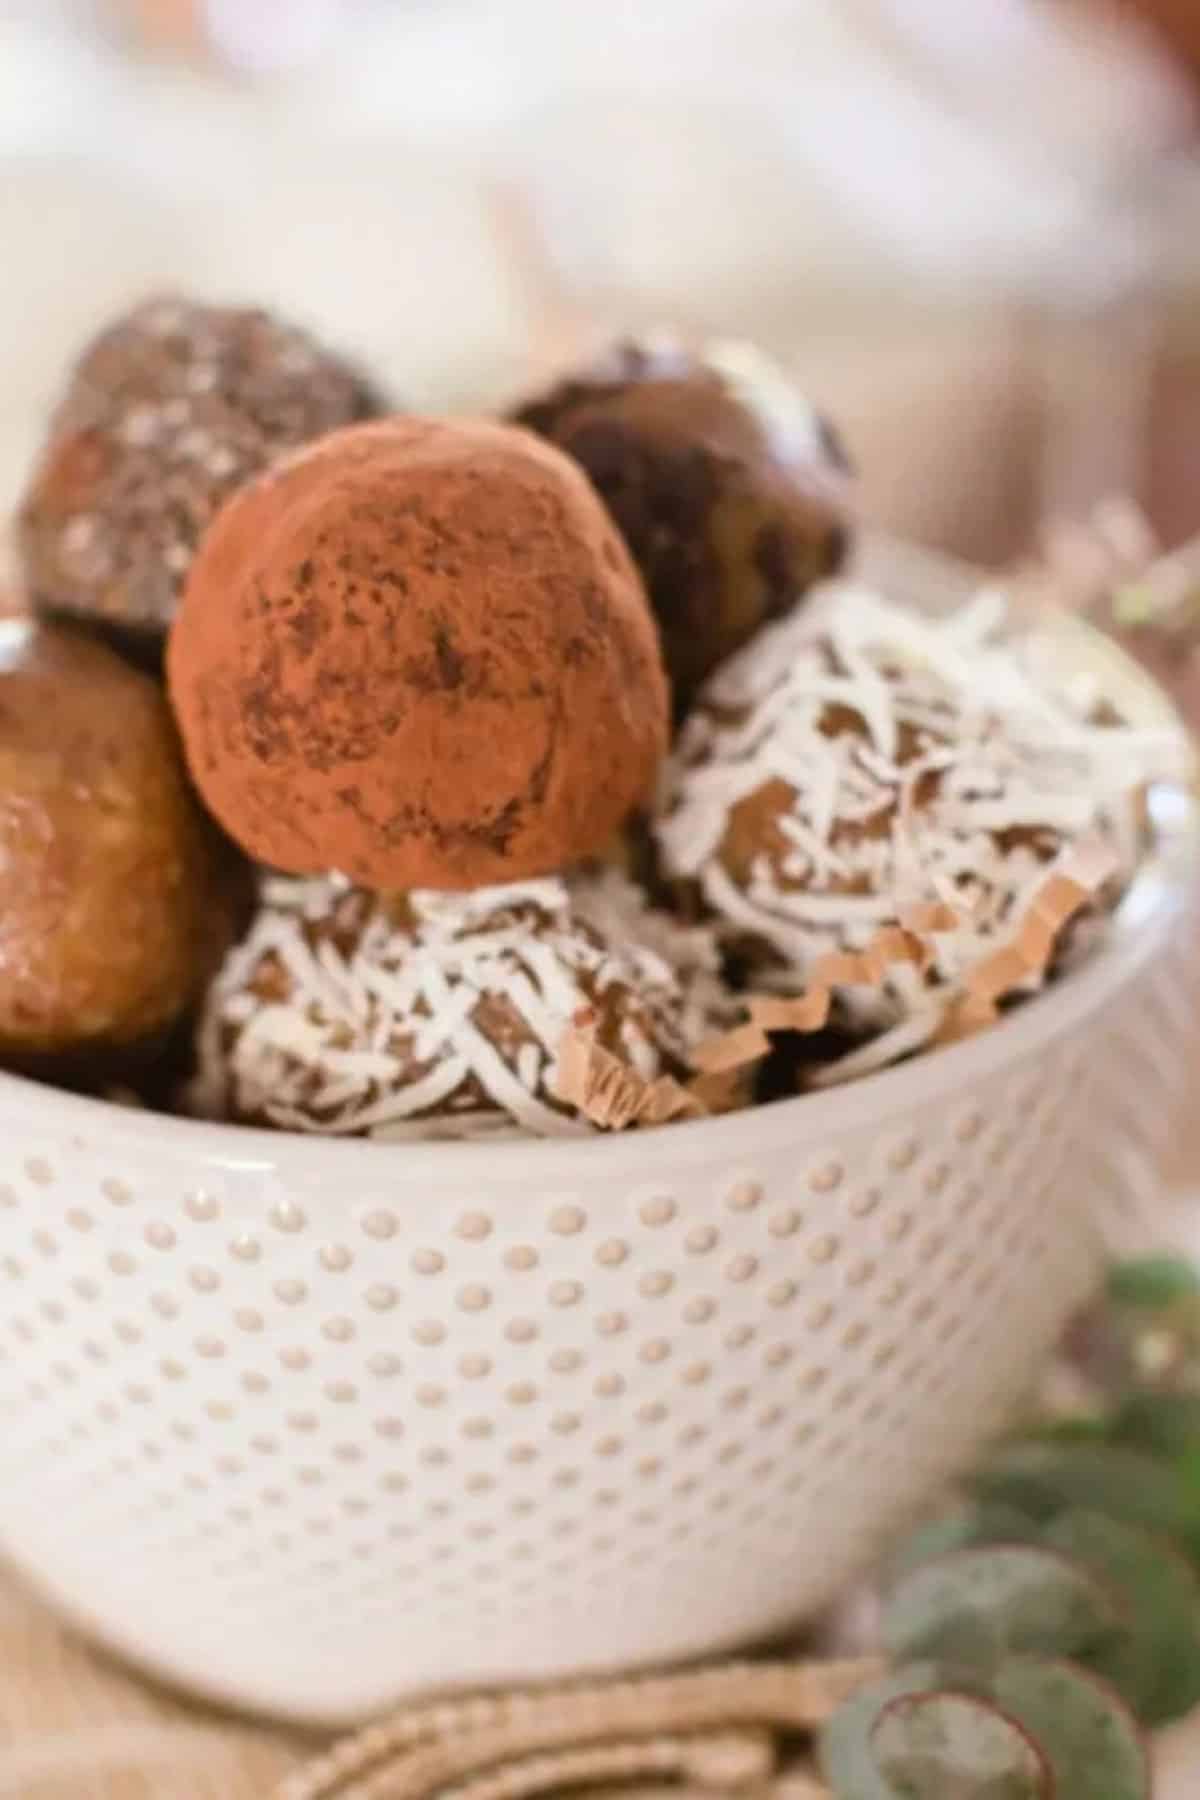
[(356, 1444)]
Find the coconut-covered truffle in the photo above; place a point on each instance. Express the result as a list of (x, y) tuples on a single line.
[(166, 413), (730, 490), (417, 652), (439, 1016), (116, 898), (859, 768), (614, 905)]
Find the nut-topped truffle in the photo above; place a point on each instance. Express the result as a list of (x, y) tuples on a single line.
[(166, 413), (859, 768), (438, 1016), (730, 490), (417, 652), (116, 898)]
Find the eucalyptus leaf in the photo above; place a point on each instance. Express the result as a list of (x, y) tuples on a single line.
[(1044, 1479), (972, 1606), (953, 1746), (1187, 1468), (844, 1754), (1156, 1667), (1153, 1283), (967, 1527), (1165, 1424), (1087, 1734)]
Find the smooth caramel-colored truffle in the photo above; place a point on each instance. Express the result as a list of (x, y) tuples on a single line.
[(166, 413), (730, 490), (417, 652), (116, 896)]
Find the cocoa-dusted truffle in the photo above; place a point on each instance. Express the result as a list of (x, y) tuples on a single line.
[(860, 769), (439, 1016), (166, 413), (418, 653), (116, 897), (730, 490)]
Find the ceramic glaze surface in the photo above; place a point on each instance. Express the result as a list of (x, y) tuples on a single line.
[(313, 1425)]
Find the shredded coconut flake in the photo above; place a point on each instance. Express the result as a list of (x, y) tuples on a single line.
[(663, 947), (443, 1019), (858, 760)]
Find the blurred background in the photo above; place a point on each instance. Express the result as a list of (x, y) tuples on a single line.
[(971, 226)]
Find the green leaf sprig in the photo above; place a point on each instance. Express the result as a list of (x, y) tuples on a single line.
[(1051, 1615)]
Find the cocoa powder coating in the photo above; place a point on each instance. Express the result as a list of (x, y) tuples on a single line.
[(418, 652)]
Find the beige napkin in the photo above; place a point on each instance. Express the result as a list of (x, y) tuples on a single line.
[(75, 1726)]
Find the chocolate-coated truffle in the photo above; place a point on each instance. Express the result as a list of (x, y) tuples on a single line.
[(730, 490), (167, 412), (417, 652), (116, 896), (437, 1016)]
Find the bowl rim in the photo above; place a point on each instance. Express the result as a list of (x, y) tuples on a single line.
[(1137, 930)]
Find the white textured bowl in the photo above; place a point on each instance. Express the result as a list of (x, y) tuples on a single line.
[(310, 1425)]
